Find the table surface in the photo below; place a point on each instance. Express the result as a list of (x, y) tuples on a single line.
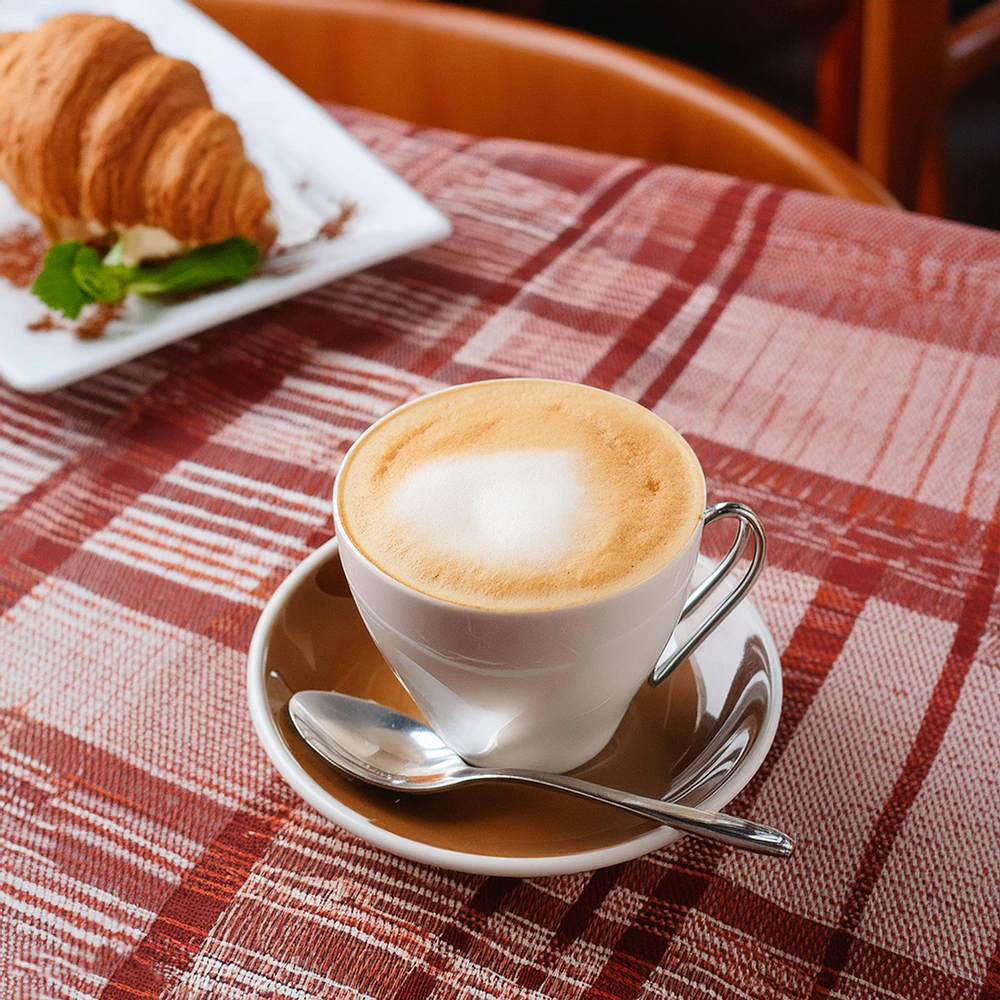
[(834, 365)]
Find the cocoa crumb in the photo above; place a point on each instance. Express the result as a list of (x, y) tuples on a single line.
[(330, 229), (94, 321), (22, 251), (335, 226), (46, 322), (303, 184)]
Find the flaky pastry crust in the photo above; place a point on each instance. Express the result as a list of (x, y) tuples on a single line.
[(98, 131)]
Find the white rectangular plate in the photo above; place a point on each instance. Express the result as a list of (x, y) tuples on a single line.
[(312, 166)]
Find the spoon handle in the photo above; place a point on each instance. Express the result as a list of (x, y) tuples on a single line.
[(714, 826)]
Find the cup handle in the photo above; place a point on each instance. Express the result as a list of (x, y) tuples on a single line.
[(749, 525)]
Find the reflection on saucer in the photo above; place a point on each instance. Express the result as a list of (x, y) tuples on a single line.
[(698, 737)]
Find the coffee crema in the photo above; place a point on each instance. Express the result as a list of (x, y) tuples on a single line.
[(521, 494)]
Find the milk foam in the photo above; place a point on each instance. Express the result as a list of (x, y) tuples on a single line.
[(501, 507), (520, 494)]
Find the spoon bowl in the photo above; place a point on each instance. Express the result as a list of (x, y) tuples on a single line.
[(377, 744)]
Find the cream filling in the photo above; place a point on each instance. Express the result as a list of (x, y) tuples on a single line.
[(139, 243)]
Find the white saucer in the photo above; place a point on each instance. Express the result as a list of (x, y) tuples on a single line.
[(704, 733)]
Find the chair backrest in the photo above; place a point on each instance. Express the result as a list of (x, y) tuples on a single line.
[(489, 74), (882, 82)]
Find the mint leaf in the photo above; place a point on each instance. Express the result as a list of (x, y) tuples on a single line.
[(56, 285), (73, 275), (231, 260), (101, 282)]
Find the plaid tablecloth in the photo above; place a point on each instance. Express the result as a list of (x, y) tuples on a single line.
[(836, 366)]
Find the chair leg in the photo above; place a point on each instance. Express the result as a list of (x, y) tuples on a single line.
[(932, 189), (902, 90), (838, 81)]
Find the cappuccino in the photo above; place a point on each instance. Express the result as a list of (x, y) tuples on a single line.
[(521, 494)]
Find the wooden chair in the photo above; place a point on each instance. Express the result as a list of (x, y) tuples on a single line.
[(494, 75), (883, 81)]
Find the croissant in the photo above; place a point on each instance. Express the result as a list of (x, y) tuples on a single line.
[(101, 134)]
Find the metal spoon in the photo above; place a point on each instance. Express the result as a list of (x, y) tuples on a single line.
[(391, 750)]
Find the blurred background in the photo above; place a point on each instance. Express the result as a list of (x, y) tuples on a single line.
[(885, 101), (805, 56)]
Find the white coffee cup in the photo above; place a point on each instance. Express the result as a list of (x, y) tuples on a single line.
[(543, 689)]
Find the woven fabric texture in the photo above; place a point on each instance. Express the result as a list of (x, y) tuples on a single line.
[(835, 365)]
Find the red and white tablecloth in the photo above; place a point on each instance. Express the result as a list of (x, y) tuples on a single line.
[(835, 365)]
